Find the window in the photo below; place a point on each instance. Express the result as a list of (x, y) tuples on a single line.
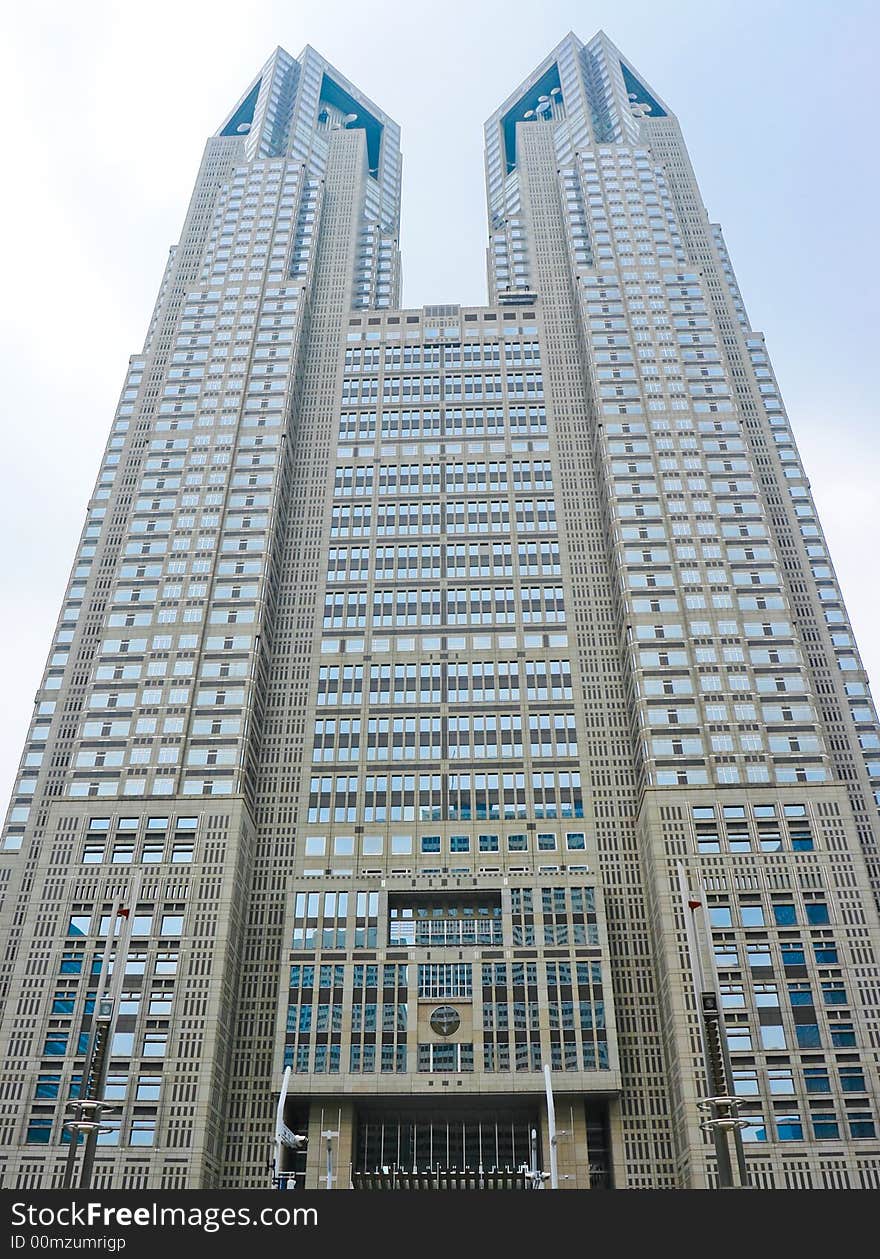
[(720, 916), (79, 925), (784, 914), (172, 925), (852, 1079), (155, 1044), (430, 843), (772, 1036), (143, 1132), (739, 1039), (122, 1045), (861, 1123), (488, 843), (755, 1128), (149, 1088), (808, 1035), (56, 1044), (47, 1085), (843, 1035), (834, 993), (752, 915), (817, 913), (825, 1125), (781, 1081), (39, 1131), (575, 841), (789, 1127), (793, 956), (817, 1079)]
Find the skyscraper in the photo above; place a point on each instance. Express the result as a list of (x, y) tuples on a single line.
[(419, 672)]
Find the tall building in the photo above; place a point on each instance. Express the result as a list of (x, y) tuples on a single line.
[(407, 658)]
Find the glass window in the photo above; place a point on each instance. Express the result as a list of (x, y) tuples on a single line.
[(122, 1045), (784, 914), (817, 1080), (843, 1035), (834, 993), (143, 1132), (755, 1128), (772, 1036), (39, 1131), (726, 956), (172, 925), (861, 1123), (825, 1126), (116, 1087), (739, 1039), (789, 1127), (817, 913), (852, 1079), (720, 916), (780, 1080), (752, 915), (808, 1035)]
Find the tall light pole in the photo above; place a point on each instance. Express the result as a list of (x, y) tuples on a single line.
[(551, 1128), (722, 1120), (89, 1107)]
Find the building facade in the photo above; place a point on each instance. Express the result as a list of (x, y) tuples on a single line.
[(408, 657)]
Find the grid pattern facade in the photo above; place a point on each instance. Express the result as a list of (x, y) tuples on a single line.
[(405, 658)]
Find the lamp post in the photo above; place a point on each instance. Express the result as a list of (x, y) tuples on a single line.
[(90, 1106), (722, 1119)]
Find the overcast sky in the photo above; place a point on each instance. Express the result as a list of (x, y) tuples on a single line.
[(106, 109)]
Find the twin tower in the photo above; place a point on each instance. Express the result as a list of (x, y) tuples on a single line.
[(423, 675)]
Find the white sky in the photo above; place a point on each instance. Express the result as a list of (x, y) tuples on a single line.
[(106, 108)]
